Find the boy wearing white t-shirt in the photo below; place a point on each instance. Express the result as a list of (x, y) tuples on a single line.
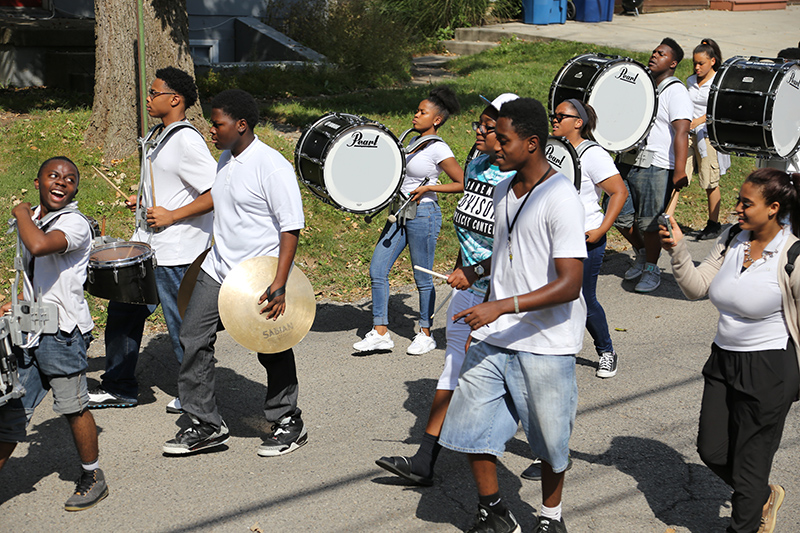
[(258, 212), (56, 249), (521, 364)]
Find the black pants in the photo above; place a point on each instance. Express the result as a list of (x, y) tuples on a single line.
[(746, 398)]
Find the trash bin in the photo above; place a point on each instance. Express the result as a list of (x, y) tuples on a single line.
[(594, 10), (544, 11)]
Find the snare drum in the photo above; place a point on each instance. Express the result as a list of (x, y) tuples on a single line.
[(350, 162), (754, 107), (563, 157), (621, 91), (123, 272)]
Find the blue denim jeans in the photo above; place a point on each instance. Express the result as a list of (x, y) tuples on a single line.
[(498, 388), (595, 315), (420, 235), (648, 192), (125, 328)]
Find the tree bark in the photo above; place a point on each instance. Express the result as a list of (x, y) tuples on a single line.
[(114, 126)]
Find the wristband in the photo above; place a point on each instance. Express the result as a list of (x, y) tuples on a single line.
[(516, 305), (278, 292)]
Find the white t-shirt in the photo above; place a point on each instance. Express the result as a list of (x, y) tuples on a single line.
[(596, 167), (61, 276), (425, 164), (549, 227), (673, 104), (750, 303), (256, 197), (183, 169)]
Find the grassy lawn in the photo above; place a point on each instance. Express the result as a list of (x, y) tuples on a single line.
[(335, 247)]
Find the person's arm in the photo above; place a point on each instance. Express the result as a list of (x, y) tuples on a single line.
[(160, 217), (35, 240), (696, 122), (694, 281), (286, 251), (680, 148), (463, 277), (453, 170), (617, 193), (565, 288)]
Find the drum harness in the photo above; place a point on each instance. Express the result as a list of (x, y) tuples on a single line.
[(408, 210)]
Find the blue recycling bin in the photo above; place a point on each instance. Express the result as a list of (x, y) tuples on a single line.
[(544, 11), (594, 10)]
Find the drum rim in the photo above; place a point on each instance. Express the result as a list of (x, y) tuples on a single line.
[(128, 261)]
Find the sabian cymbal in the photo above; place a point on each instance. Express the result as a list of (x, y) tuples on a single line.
[(241, 313), (188, 282)]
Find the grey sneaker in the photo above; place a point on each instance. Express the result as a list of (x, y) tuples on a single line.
[(198, 436), (607, 367), (89, 490), (286, 436), (638, 265), (651, 279), (489, 522)]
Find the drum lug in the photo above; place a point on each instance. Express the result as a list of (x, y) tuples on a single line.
[(143, 270), (116, 276), (90, 276)]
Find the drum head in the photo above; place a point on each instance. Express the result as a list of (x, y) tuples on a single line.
[(117, 254), (786, 113), (624, 97), (563, 157), (363, 168)]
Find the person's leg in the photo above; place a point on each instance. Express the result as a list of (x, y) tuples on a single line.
[(6, 449), (168, 282), (595, 315), (390, 244), (484, 471), (713, 432), (714, 202), (423, 231), (280, 405), (84, 433), (123, 337)]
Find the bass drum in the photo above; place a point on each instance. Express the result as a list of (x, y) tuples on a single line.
[(563, 157), (621, 91), (754, 107), (350, 162)]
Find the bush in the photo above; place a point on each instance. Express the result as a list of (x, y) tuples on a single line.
[(425, 18)]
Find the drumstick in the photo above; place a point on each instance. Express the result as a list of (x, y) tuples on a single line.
[(673, 203), (103, 227), (109, 181), (431, 272), (439, 307)]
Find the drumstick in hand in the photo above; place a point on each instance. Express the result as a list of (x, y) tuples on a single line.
[(431, 272), (673, 203), (109, 181)]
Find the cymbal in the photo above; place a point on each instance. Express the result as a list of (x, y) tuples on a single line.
[(188, 282), (241, 313)]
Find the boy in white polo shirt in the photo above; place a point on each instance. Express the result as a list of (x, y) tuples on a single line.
[(56, 255), (258, 212), (520, 366), (173, 215)]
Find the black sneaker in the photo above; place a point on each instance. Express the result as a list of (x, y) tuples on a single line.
[(489, 522), (286, 436), (548, 525), (199, 436), (711, 231), (89, 490), (607, 366), (401, 466), (99, 398), (534, 472)]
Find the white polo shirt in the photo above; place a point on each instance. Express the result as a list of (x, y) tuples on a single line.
[(549, 227), (183, 169), (673, 104), (256, 197)]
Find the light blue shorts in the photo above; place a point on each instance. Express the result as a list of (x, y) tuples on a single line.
[(499, 388)]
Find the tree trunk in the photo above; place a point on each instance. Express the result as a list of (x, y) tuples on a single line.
[(114, 126)]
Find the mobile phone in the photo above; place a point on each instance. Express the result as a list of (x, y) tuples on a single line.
[(665, 220)]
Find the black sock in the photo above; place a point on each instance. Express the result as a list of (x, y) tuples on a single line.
[(493, 502), (423, 461)]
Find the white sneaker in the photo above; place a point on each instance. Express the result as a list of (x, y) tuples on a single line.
[(421, 344), (374, 341), (638, 266), (651, 279), (174, 407)]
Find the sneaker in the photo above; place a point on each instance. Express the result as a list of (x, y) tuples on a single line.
[(638, 265), (548, 525), (489, 522), (286, 436), (534, 472), (770, 514), (89, 490), (711, 231), (607, 367), (198, 436), (373, 341), (174, 407), (99, 398), (421, 344), (401, 466), (651, 279)]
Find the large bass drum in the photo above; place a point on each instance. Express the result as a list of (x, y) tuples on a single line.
[(563, 157), (350, 162), (621, 91), (754, 107)]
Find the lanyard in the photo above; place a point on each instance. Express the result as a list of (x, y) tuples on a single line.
[(516, 216)]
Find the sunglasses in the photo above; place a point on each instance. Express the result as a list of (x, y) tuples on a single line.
[(477, 127), (558, 117), (154, 94)]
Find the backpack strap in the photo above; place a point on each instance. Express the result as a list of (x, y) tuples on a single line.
[(791, 257), (732, 233), (585, 145), (666, 83)]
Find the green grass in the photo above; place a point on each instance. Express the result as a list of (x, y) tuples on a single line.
[(335, 247)]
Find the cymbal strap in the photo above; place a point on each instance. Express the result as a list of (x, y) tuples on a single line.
[(278, 292)]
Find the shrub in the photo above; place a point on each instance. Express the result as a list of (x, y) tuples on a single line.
[(425, 18)]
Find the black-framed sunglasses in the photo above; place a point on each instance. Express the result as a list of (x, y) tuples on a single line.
[(477, 127), (154, 94), (558, 117)]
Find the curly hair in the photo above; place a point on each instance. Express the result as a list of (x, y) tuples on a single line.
[(677, 51), (180, 82), (528, 118), (445, 101), (237, 104), (60, 158)]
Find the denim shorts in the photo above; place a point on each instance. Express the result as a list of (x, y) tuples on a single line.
[(648, 191), (58, 363), (499, 388)]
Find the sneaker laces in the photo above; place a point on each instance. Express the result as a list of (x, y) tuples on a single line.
[(85, 483), (544, 524), (606, 361)]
